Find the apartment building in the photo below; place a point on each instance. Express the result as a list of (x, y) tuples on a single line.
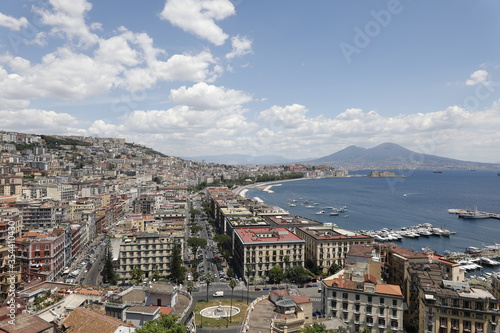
[(258, 249), (10, 277), (326, 245), (150, 252), (43, 254), (42, 214), (443, 306), (359, 297)]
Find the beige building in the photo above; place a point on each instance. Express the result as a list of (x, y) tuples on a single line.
[(258, 249), (444, 306), (150, 252), (327, 245)]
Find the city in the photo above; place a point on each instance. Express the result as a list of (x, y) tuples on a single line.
[(98, 230)]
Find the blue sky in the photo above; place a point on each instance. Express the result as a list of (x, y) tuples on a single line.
[(299, 79)]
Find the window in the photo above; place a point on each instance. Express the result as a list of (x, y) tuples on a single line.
[(381, 311), (334, 304), (357, 297), (369, 299), (394, 302), (334, 294), (369, 309), (345, 295), (382, 300)]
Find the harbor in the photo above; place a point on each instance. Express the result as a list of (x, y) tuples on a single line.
[(419, 230)]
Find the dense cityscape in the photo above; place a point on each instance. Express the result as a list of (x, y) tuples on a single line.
[(103, 235)]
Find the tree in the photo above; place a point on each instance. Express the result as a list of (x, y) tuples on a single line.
[(299, 274), (275, 274), (230, 272), (108, 273), (232, 285), (286, 260), (222, 240), (196, 228), (163, 324), (137, 274), (177, 269), (315, 328), (334, 268), (209, 279), (190, 287), (196, 242)]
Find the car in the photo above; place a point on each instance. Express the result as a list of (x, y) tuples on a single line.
[(274, 288), (308, 286), (316, 313), (257, 289), (265, 288), (315, 285)]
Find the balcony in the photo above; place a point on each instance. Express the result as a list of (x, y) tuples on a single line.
[(381, 326)]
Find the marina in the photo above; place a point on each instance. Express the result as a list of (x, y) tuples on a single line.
[(473, 214), (420, 230)]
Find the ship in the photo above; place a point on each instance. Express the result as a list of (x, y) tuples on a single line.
[(473, 215), (437, 171)]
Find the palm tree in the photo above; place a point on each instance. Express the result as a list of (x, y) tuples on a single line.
[(190, 287), (208, 278), (232, 285)]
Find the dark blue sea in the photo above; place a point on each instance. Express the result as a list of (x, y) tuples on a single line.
[(419, 197)]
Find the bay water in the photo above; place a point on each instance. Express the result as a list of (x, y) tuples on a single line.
[(421, 196)]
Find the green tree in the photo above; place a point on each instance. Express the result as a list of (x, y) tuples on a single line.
[(230, 272), (177, 269), (196, 242), (196, 228), (334, 268), (108, 273), (299, 274), (315, 328), (190, 287), (222, 240), (232, 285), (163, 324), (275, 274), (137, 275), (209, 279)]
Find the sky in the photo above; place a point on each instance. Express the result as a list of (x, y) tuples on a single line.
[(297, 79)]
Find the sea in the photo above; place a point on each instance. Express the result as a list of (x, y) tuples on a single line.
[(416, 197)]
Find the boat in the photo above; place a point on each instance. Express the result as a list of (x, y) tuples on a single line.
[(320, 212), (437, 171), (473, 215), (489, 262), (292, 205), (334, 213), (310, 206)]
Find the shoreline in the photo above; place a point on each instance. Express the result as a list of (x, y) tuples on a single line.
[(266, 186)]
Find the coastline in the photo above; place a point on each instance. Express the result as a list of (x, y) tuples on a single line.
[(265, 186)]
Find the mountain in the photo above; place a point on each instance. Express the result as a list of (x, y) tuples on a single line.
[(391, 155), (235, 159)]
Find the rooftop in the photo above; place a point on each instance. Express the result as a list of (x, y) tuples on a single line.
[(267, 235)]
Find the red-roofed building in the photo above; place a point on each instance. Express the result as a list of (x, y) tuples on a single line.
[(257, 250), (356, 297), (327, 245)]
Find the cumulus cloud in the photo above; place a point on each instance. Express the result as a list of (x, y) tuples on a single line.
[(198, 17), (241, 46), (37, 121), (203, 96), (13, 23), (478, 77), (67, 19)]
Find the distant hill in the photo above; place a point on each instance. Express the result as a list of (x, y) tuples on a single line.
[(235, 159), (391, 155)]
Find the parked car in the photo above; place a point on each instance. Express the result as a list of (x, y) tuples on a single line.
[(265, 288)]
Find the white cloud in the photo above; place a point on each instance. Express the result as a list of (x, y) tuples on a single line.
[(202, 96), (37, 121), (290, 116), (478, 77), (241, 46), (13, 23), (198, 17), (67, 18)]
